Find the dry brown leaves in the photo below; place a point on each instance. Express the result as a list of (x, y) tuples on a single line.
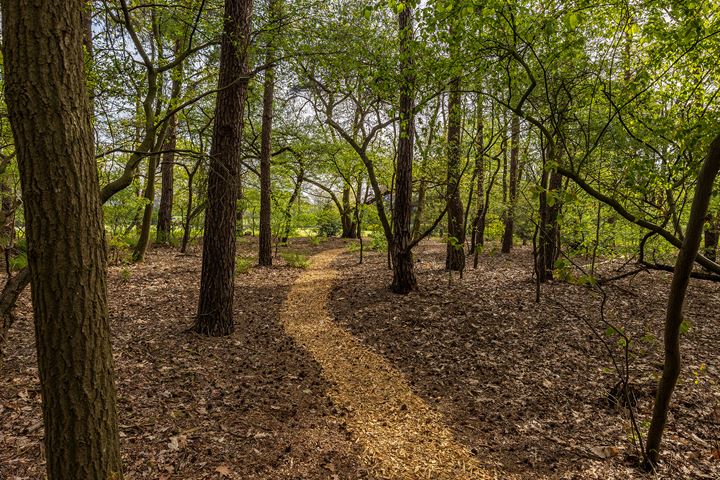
[(525, 386), (522, 387)]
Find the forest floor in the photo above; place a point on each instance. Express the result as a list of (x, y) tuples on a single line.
[(495, 382)]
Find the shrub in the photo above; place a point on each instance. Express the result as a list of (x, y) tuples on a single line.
[(318, 240), (328, 227), (378, 242), (296, 260)]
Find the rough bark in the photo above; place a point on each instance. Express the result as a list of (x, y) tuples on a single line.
[(676, 299), (265, 240), (404, 280), (167, 172), (455, 257), (294, 196), (349, 229), (478, 227), (507, 240), (49, 111), (167, 169), (549, 230), (149, 196), (217, 282)]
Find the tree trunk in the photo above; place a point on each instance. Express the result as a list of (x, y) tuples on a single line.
[(346, 215), (478, 227), (455, 258), (43, 54), (265, 240), (167, 170), (712, 236), (417, 222), (404, 280), (164, 222), (217, 280), (676, 300), (288, 210), (149, 196), (549, 230), (507, 240)]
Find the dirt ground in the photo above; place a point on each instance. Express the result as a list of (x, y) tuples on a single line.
[(523, 386)]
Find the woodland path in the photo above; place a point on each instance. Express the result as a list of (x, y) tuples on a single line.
[(400, 435)]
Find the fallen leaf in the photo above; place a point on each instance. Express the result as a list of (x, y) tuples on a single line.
[(224, 471), (605, 452), (177, 442)]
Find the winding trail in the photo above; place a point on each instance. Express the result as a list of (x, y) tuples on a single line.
[(401, 436)]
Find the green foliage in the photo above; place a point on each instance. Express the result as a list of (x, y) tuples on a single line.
[(318, 240), (243, 265), (296, 260), (328, 222), (378, 242), (622, 339), (685, 326), (18, 261), (119, 248), (125, 274)]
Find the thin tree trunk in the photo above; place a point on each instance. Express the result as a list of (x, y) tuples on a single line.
[(149, 196), (676, 300), (188, 218), (417, 222), (507, 241), (43, 53), (217, 280), (455, 256), (404, 280), (549, 232), (478, 227), (167, 171), (265, 240), (712, 236), (288, 210)]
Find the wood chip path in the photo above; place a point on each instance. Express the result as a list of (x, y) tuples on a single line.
[(401, 436)]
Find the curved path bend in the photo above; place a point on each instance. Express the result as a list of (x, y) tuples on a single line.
[(401, 436)]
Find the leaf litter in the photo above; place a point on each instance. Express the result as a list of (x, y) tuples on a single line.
[(522, 387)]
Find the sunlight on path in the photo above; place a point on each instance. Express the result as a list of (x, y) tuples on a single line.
[(401, 436)]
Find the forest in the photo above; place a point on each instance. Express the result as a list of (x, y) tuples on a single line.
[(359, 239)]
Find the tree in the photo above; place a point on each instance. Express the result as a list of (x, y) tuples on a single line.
[(676, 301), (455, 256), (404, 280), (217, 282), (507, 239), (167, 166), (265, 240), (43, 53)]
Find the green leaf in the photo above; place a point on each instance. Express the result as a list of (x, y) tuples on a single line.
[(685, 327)]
